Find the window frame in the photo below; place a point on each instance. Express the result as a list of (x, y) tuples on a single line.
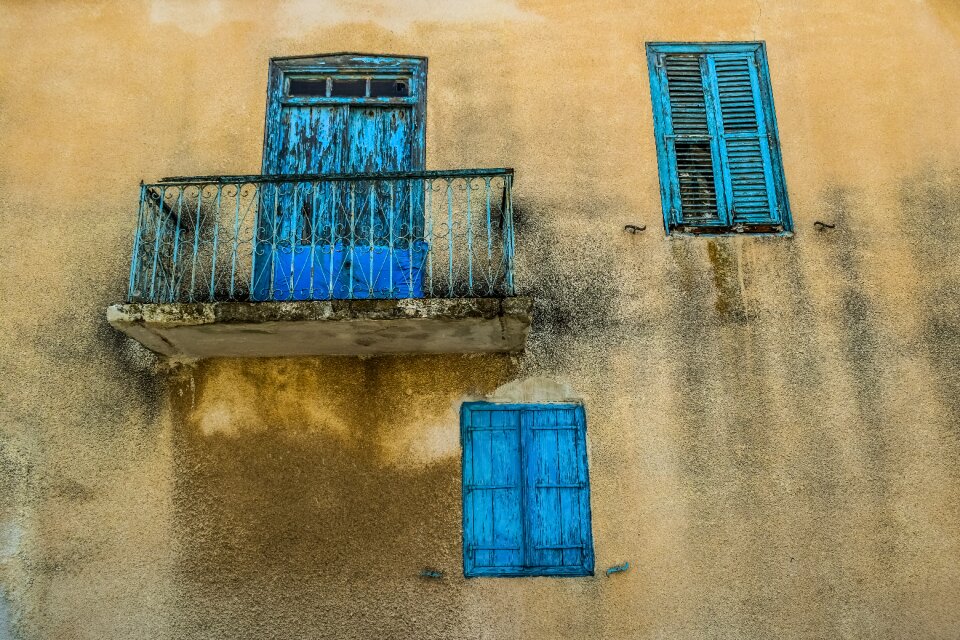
[(586, 568), (673, 224)]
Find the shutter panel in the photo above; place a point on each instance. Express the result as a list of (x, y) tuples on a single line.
[(492, 514), (557, 489), (691, 145), (748, 172)]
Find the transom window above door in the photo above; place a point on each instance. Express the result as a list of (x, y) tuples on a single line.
[(348, 87)]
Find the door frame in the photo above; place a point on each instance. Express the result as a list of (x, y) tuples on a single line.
[(350, 64)]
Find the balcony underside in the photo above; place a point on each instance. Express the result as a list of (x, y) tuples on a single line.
[(328, 327)]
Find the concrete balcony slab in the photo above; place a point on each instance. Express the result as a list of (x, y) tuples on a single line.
[(327, 327)]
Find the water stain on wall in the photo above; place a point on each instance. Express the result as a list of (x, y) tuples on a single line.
[(931, 203), (314, 485), (863, 345)]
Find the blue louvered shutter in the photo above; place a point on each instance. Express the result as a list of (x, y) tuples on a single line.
[(717, 148), (694, 173), (745, 142), (492, 501), (557, 491)]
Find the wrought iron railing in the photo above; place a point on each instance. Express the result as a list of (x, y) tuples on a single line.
[(439, 234)]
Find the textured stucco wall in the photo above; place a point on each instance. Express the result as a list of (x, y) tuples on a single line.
[(774, 424)]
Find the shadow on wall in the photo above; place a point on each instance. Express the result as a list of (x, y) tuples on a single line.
[(318, 489), (573, 274)]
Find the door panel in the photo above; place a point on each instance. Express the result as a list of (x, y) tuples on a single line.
[(295, 218), (342, 239), (379, 140)]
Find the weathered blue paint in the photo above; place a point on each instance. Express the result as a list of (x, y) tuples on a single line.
[(619, 568), (326, 134), (717, 145), (526, 490)]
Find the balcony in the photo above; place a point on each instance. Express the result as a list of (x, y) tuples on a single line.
[(354, 264)]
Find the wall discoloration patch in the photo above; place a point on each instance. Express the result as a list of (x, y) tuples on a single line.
[(296, 17), (574, 279), (727, 280), (329, 480), (931, 201)]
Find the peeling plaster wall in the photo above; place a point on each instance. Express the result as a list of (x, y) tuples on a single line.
[(772, 423)]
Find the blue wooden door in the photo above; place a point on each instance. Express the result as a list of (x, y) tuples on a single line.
[(342, 238)]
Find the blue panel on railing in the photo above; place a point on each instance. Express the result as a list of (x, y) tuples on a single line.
[(339, 273)]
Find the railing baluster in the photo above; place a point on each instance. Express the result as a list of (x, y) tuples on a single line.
[(410, 236), (156, 247), (428, 234), (334, 203), (294, 221), (135, 260), (469, 183), (216, 238), (176, 246), (450, 236), (196, 243), (353, 236), (490, 275), (508, 241), (390, 243), (313, 235), (254, 209), (371, 277), (236, 243), (275, 232)]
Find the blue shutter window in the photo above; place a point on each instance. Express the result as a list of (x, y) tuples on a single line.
[(526, 493), (716, 134)]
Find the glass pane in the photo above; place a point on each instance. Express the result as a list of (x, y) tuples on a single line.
[(390, 88), (349, 88), (313, 87)]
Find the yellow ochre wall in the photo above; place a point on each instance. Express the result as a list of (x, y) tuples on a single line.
[(773, 423)]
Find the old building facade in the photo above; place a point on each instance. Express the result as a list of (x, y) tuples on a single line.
[(747, 373)]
